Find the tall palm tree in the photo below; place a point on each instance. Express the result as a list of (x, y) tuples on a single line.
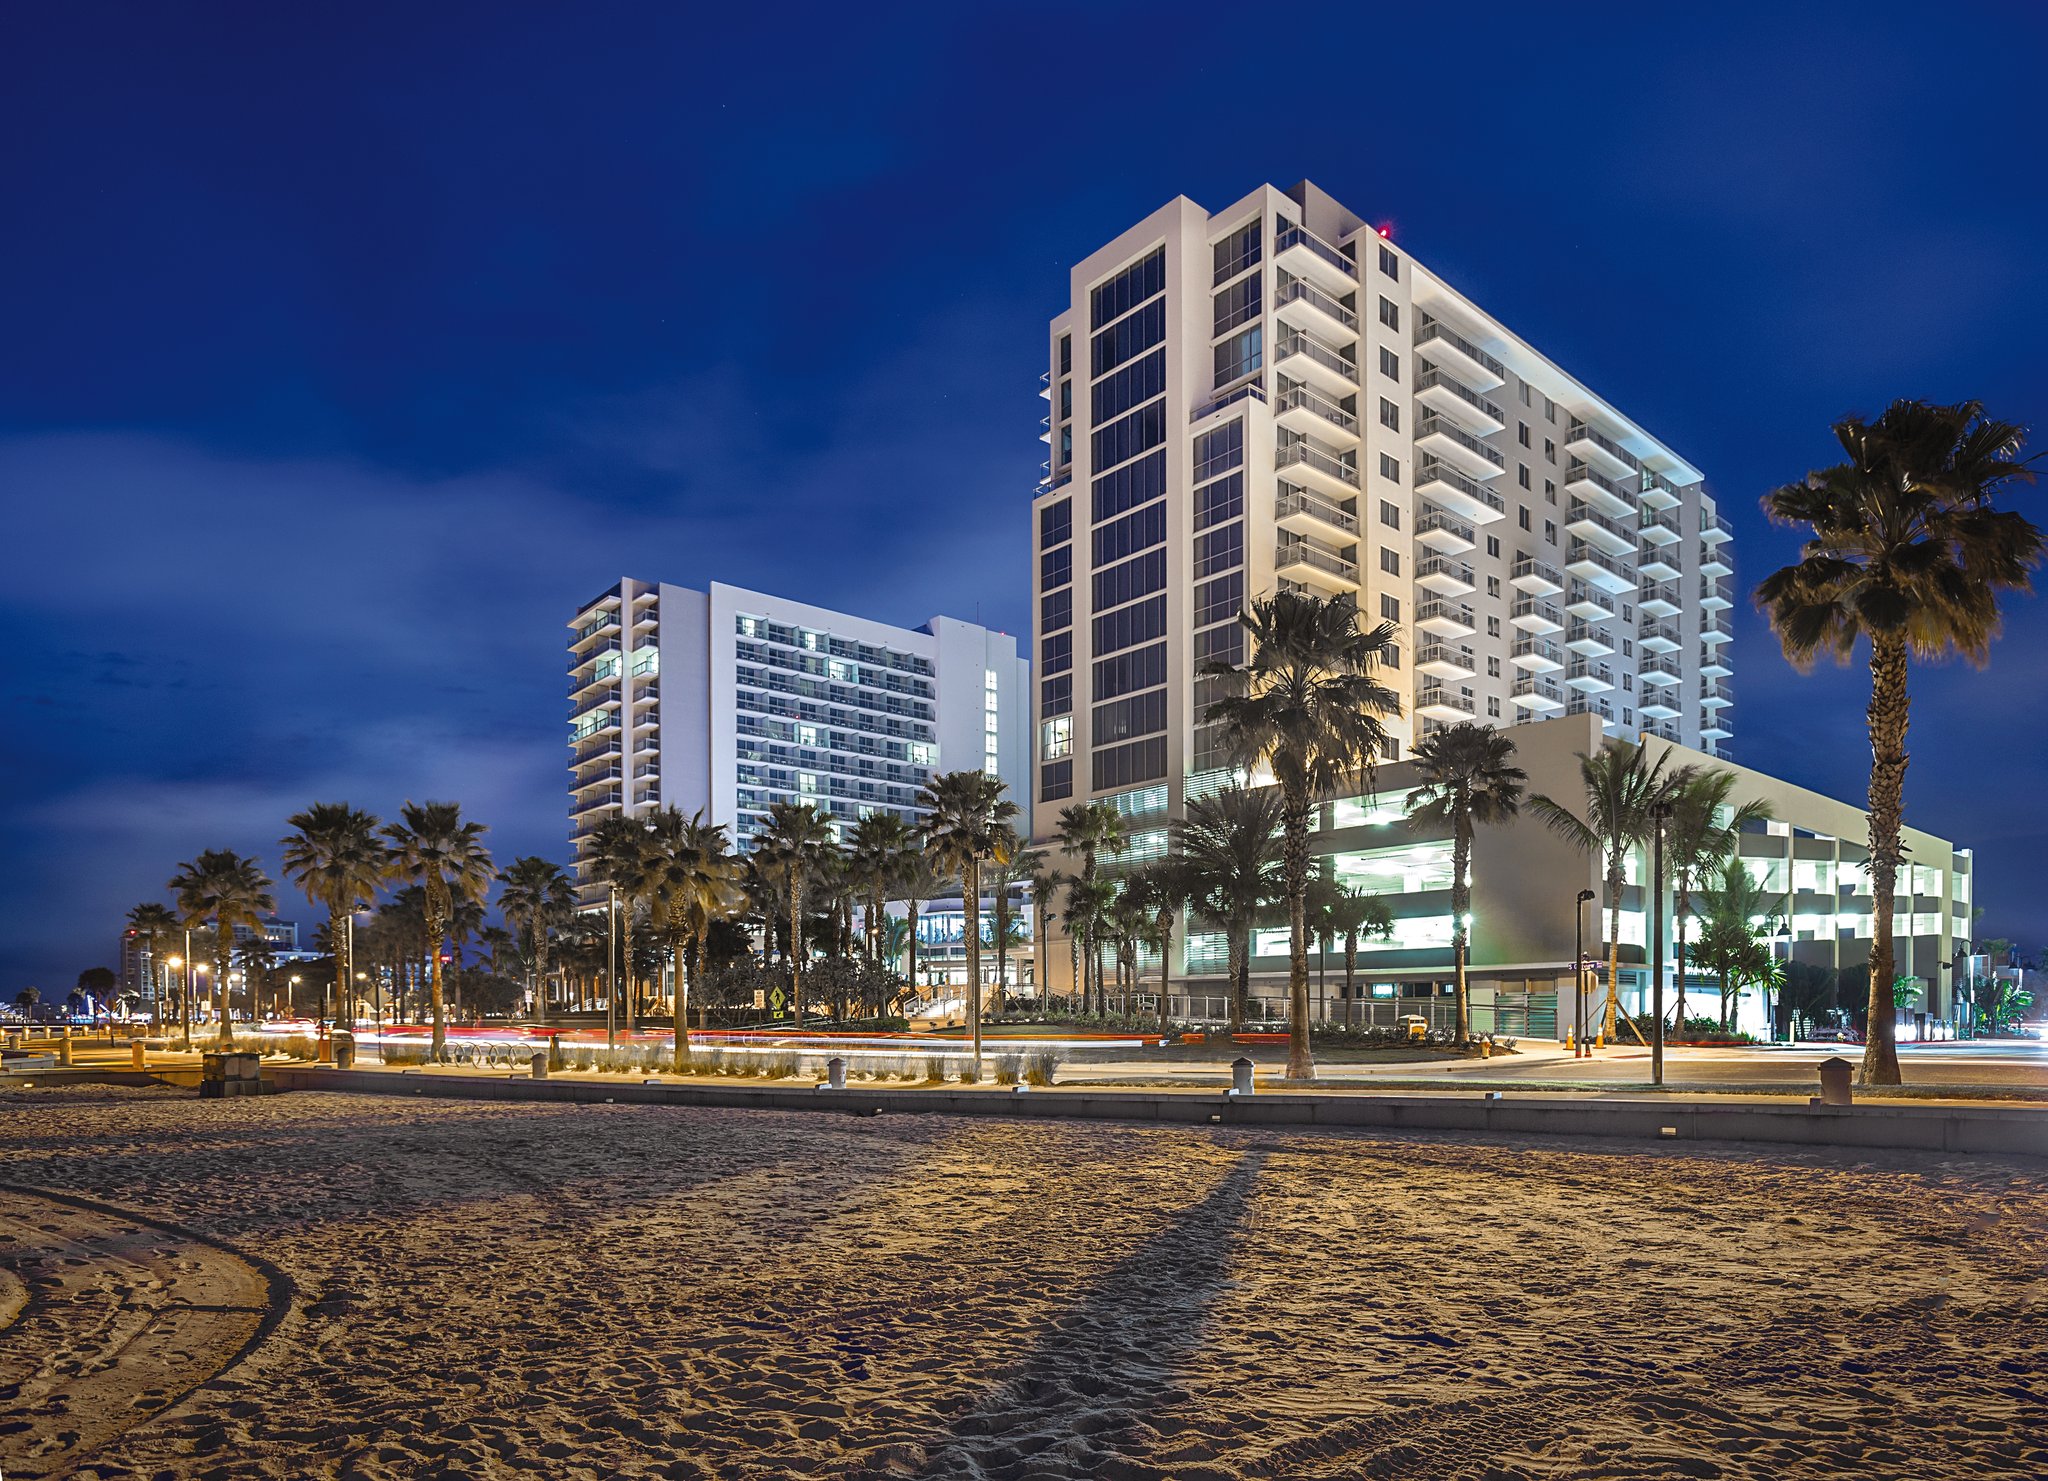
[(1703, 831), (1230, 843), (875, 849), (1354, 913), (153, 925), (1004, 869), (695, 881), (1308, 708), (1468, 777), (1089, 829), (789, 846), (334, 855), (619, 849), (1623, 789), (432, 846), (1734, 906), (916, 884), (1906, 553), (1157, 892), (1044, 884), (536, 895), (1089, 903), (230, 890), (967, 824)]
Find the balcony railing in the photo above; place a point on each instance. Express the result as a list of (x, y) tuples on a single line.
[(1528, 567), (1661, 519), (1442, 520), (1582, 553), (1310, 456), (1299, 291), (1249, 391), (1435, 696), (1578, 472), (1460, 658), (1434, 426), (1436, 331), (1713, 528), (1294, 501), (1296, 343), (1542, 610), (1583, 432), (1296, 236), (1436, 379), (1541, 648), (1581, 512), (1437, 565), (1456, 612), (1322, 560), (1304, 398), (1471, 488)]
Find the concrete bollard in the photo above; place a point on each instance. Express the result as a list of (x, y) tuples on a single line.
[(1241, 1076), (835, 1072), (344, 1051), (539, 1064), (1834, 1082), (64, 1048), (136, 1058)]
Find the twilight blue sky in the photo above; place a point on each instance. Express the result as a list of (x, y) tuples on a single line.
[(346, 347)]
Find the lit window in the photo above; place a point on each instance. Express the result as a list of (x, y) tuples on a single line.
[(1059, 738)]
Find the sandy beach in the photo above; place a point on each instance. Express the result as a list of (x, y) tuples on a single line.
[(330, 1286)]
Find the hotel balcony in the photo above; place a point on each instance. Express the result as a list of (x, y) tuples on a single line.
[(1327, 472), (1307, 255), (1445, 485), (1446, 619), (1656, 491), (647, 617), (1305, 409), (1454, 352), (1587, 640), (1582, 440), (1588, 677), (1659, 600), (1443, 576), (1660, 526), (1664, 732), (1302, 513), (1531, 615), (1658, 637), (1714, 595), (1463, 405), (1598, 569), (1715, 696), (594, 748), (1714, 663), (1597, 489), (1441, 661), (597, 776), (1714, 562), (1304, 306), (1589, 602), (646, 770), (1714, 725), (1714, 628), (1540, 695), (610, 797), (603, 624), (1307, 358), (1659, 563), (1435, 702), (1714, 529), (1539, 578), (1596, 529), (1658, 668), (1584, 704), (1317, 567), (581, 682), (607, 697), (1657, 704), (586, 657), (1537, 656), (1443, 438), (1443, 531)]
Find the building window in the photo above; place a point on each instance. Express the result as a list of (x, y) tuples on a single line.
[(1549, 532), (1219, 550), (1389, 263), (1129, 486), (1390, 515), (1058, 738), (1390, 415), (1549, 411), (1493, 627), (1237, 251), (1390, 608), (1493, 668), (1056, 568), (1129, 288), (1218, 451), (1493, 586), (1056, 653), (1391, 656), (1055, 781), (1056, 696), (1493, 545), (1134, 385), (1055, 524), (1549, 491), (1239, 356), (1390, 467), (1237, 304), (1129, 338), (1522, 474), (1138, 577), (1140, 432), (1522, 433), (1218, 501), (1525, 393), (1549, 451), (1390, 313), (1522, 514), (1390, 748), (1390, 364), (1390, 561), (1056, 609), (1066, 354), (1493, 707)]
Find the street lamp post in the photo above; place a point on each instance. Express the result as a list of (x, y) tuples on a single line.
[(1658, 815), (1580, 1050)]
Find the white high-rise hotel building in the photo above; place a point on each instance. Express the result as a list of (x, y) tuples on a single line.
[(1274, 396), (729, 700)]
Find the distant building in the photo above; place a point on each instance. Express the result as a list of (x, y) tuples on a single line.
[(730, 700), (283, 935)]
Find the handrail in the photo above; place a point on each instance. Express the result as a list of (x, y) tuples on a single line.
[(1433, 378), (1471, 488), (1431, 426), (1295, 501), (1316, 458), (1436, 329), (1302, 291), (1296, 236), (1307, 399), (1579, 431), (1298, 343)]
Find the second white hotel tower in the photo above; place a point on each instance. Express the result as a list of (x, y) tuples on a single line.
[(1274, 396)]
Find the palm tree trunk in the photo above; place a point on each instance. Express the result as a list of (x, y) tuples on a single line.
[(222, 954), (1165, 965), (1678, 931), (1234, 982), (1888, 717), (970, 881), (1301, 1064), (338, 938), (1074, 969), (1461, 906), (678, 952), (1351, 979), (1614, 888), (540, 973), (910, 942), (1002, 942)]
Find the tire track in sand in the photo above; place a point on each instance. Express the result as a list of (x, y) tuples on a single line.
[(121, 1317)]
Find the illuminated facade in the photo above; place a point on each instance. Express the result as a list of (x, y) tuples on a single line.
[(730, 700)]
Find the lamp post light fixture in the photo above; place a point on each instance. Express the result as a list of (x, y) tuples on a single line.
[(1580, 1049)]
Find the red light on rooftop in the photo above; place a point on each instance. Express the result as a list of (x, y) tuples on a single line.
[(1386, 231)]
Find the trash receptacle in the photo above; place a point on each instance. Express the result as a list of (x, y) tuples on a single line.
[(1834, 1082), (1241, 1076), (344, 1051), (539, 1064), (835, 1073)]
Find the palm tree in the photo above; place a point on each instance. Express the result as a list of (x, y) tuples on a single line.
[(619, 850), (1005, 868), (1908, 554), (1089, 829), (432, 845), (536, 895), (1468, 777), (1623, 789), (1308, 707), (334, 855), (1089, 903), (1044, 885), (1732, 909), (1230, 843), (916, 883), (231, 890), (967, 824), (1156, 893), (152, 924), (1704, 829), (789, 847), (696, 880), (1354, 913), (875, 850)]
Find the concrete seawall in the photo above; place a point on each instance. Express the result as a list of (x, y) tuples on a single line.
[(1948, 1128)]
